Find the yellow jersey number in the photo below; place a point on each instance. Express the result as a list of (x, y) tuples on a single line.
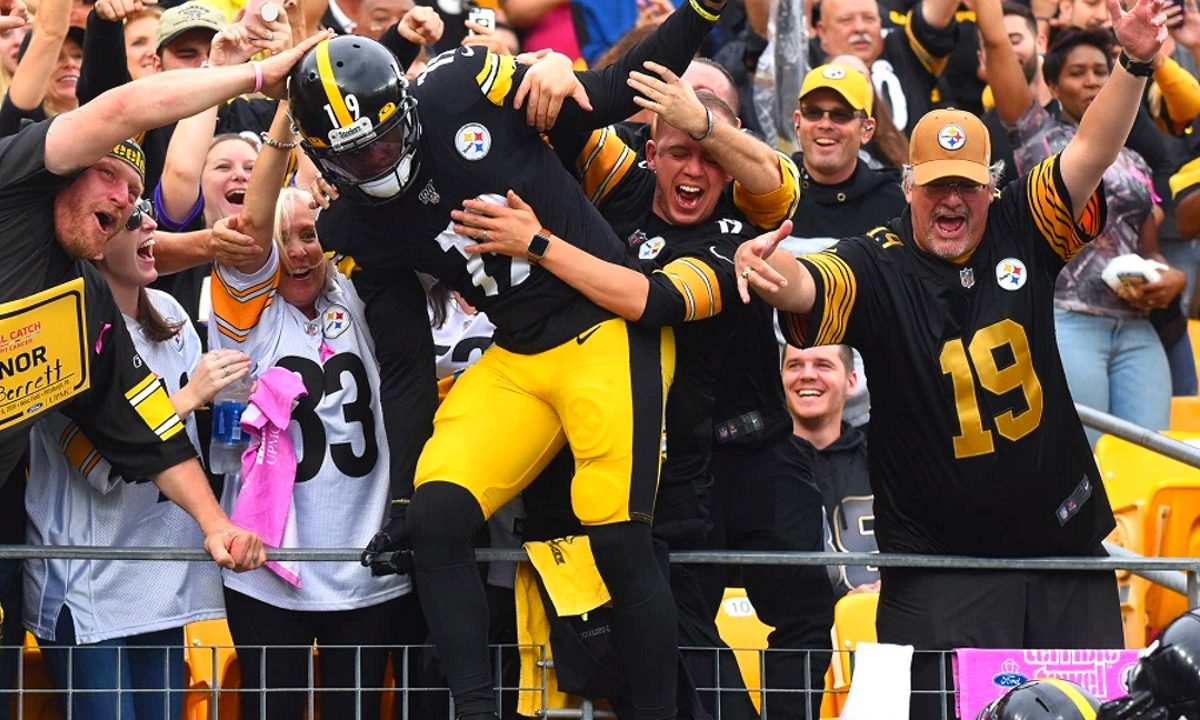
[(973, 439)]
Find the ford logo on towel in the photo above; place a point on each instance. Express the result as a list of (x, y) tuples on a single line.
[(1008, 679)]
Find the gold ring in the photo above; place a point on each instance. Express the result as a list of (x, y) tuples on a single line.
[(746, 273), (485, 235)]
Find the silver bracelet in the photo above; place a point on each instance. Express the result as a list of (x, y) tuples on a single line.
[(277, 144), (708, 114)]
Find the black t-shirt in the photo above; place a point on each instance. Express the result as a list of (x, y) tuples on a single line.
[(976, 447), (473, 142), (126, 412)]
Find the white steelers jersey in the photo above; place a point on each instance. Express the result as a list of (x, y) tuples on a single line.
[(460, 341), (341, 492), (74, 498)]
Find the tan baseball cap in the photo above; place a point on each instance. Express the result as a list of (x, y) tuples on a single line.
[(950, 143), (852, 85), (188, 16)]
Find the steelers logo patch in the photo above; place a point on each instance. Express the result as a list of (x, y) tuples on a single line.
[(834, 72), (651, 248), (1011, 274), (951, 137), (336, 320), (473, 141)]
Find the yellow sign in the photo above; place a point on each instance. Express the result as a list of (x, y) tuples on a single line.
[(43, 352)]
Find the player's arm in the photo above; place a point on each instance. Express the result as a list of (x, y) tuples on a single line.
[(1106, 124), (672, 44)]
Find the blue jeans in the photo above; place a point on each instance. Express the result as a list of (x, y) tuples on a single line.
[(1117, 366), (140, 668)]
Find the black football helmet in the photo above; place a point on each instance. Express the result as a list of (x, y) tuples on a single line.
[(1165, 683), (1043, 699), (350, 104)]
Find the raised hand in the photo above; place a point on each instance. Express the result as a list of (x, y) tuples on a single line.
[(750, 262), (1142, 30)]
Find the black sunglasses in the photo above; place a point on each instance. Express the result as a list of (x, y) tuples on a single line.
[(840, 116), (142, 207)]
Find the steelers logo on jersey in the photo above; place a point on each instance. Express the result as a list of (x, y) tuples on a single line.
[(473, 141), (651, 248), (1011, 274), (335, 321)]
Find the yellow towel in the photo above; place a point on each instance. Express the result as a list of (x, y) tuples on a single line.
[(569, 574), (533, 646)]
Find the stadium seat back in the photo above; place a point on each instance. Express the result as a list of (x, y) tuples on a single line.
[(853, 622), (1131, 472), (210, 663), (1172, 520), (746, 635)]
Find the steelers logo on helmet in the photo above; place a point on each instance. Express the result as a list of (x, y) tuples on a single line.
[(357, 121), (1043, 699)]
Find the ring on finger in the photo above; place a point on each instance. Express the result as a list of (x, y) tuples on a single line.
[(225, 369), (485, 235), (746, 273)]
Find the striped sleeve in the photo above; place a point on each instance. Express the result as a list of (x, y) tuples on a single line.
[(495, 78), (603, 163), (237, 310), (1050, 206), (698, 285), (837, 292), (83, 456), (150, 399), (770, 209)]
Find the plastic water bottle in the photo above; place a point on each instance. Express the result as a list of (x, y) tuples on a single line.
[(228, 441)]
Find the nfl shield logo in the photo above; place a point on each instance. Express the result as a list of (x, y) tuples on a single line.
[(967, 277)]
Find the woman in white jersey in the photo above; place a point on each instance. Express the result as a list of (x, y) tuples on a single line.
[(119, 624), (290, 307)]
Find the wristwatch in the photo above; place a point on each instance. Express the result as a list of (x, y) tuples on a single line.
[(1135, 68), (538, 246)]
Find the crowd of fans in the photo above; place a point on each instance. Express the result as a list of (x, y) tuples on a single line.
[(219, 275)]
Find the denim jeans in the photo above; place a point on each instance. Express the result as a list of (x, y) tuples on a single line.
[(1117, 366), (138, 667)]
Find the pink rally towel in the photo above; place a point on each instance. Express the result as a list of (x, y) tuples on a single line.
[(265, 504), (981, 675)]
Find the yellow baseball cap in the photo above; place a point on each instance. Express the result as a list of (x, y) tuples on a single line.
[(950, 143), (852, 85)]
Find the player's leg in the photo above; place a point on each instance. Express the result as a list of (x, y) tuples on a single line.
[(1074, 610), (492, 436), (611, 407)]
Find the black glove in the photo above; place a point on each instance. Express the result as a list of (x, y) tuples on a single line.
[(390, 551)]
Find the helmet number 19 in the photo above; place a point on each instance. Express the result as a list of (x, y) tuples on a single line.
[(351, 105)]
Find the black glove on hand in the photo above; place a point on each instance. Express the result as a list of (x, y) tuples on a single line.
[(390, 551)]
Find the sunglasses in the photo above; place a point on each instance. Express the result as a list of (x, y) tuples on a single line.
[(142, 207), (840, 116), (964, 188)]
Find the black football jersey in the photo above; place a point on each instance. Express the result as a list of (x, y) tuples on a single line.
[(976, 447), (474, 143)]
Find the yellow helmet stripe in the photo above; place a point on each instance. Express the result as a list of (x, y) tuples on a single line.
[(332, 91), (1076, 697)]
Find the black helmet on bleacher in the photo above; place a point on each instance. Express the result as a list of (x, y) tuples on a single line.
[(1165, 683), (1043, 699)]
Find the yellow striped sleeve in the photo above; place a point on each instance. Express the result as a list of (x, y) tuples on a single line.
[(603, 163), (932, 63), (1052, 212), (770, 209), (235, 311), (79, 451), (495, 78), (697, 284), (149, 398), (839, 290)]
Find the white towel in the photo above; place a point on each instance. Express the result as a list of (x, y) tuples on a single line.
[(882, 683)]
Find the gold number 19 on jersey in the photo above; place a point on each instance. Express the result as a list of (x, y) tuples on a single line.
[(974, 439)]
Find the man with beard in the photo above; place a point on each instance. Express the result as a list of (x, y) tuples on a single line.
[(976, 448)]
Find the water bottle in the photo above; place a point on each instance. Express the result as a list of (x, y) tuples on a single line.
[(228, 441)]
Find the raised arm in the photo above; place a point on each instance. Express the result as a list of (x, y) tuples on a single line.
[(1106, 124), (79, 138), (257, 218), (1009, 88), (749, 161), (777, 277), (29, 82), (939, 13)]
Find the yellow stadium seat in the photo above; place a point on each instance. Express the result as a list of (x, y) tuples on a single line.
[(1130, 534), (1194, 337), (1185, 413), (39, 702), (853, 622), (210, 663), (746, 635), (1131, 472), (1172, 529)]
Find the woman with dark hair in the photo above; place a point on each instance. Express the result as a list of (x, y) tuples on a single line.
[(1112, 354)]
